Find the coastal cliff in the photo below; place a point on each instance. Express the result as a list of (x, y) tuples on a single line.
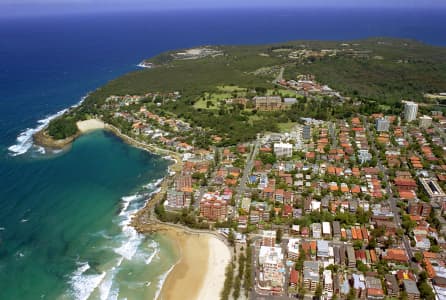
[(42, 138)]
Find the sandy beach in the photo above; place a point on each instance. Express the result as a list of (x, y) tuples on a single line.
[(200, 272), (219, 258), (89, 125)]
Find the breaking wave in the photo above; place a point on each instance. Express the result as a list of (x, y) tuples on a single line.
[(83, 284), (24, 141)]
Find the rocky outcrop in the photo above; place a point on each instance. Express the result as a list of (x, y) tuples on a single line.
[(42, 138)]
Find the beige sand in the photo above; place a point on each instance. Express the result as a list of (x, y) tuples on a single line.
[(200, 273), (219, 258), (89, 125)]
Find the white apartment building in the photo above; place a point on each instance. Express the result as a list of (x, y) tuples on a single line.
[(425, 121), (283, 149), (410, 111)]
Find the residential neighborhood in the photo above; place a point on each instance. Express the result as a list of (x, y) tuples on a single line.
[(341, 209)]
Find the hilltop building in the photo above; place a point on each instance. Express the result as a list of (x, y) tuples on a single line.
[(268, 103), (410, 111)]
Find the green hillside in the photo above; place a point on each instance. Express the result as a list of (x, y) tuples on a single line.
[(378, 72)]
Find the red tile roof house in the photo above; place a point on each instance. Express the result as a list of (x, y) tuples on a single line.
[(398, 255), (288, 197), (373, 293), (405, 184), (268, 193), (406, 195), (370, 171), (305, 232), (279, 195), (287, 211), (310, 155), (294, 277)]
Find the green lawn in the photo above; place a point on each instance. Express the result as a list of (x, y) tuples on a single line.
[(284, 93), (286, 127), (231, 88), (214, 98)]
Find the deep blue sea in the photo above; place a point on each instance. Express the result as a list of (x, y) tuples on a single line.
[(63, 217)]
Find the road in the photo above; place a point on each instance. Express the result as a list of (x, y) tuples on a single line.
[(392, 199), (280, 75), (241, 188), (332, 131)]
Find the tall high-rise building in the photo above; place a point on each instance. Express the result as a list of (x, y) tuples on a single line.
[(306, 132), (410, 111), (382, 124)]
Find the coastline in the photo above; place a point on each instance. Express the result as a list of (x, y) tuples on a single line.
[(200, 271), (41, 138), (90, 125)]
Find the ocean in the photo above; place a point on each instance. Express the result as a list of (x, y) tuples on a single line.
[(64, 216)]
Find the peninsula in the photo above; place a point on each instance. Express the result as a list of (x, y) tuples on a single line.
[(307, 168)]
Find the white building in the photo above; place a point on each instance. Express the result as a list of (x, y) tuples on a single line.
[(271, 262), (326, 229), (316, 229), (283, 149), (425, 121), (323, 251), (410, 111), (364, 156), (328, 282), (382, 124), (311, 275), (293, 249)]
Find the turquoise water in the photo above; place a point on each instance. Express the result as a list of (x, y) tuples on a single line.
[(64, 234), (62, 224)]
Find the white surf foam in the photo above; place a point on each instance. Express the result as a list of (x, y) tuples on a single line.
[(130, 244), (83, 285), (155, 248), (132, 239), (105, 291), (57, 151), (161, 282), (19, 254), (41, 150), (144, 65), (126, 201), (154, 184), (24, 141)]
